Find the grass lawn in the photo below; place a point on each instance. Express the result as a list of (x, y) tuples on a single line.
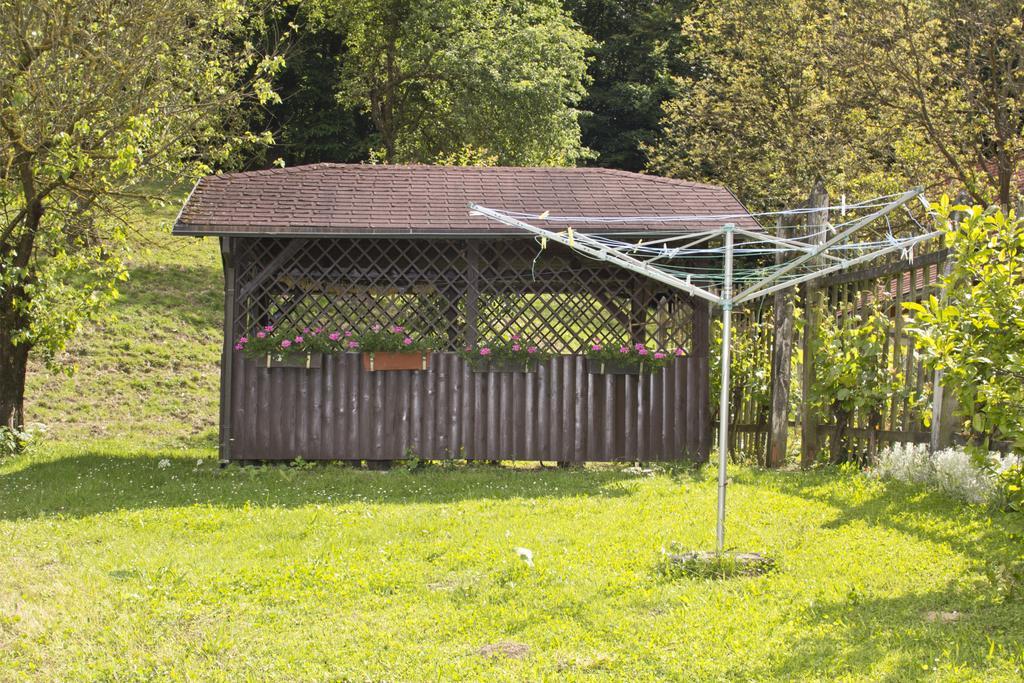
[(113, 568), (117, 569)]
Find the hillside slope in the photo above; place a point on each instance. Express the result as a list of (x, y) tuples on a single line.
[(149, 371)]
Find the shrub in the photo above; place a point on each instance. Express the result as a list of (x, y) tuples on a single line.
[(852, 372), (15, 441), (954, 471), (975, 335)]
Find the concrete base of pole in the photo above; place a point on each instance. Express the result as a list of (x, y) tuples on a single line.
[(714, 565)]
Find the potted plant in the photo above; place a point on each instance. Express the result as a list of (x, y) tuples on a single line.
[(504, 355), (278, 348), (625, 359), (393, 348)]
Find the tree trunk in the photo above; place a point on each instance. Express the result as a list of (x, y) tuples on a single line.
[(13, 366)]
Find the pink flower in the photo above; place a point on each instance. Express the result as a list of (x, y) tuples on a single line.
[(642, 351), (348, 333), (286, 343), (485, 351), (261, 334), (397, 329), (243, 340), (238, 347), (596, 347), (680, 351), (407, 341), (623, 349), (658, 355), (353, 345), (334, 336), (516, 337), (318, 330), (638, 346), (531, 349), (268, 328), (305, 330), (376, 327), (298, 339), (516, 347)]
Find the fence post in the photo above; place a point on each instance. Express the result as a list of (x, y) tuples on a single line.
[(781, 371), (944, 403), (816, 222)]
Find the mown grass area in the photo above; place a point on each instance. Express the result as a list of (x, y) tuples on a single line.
[(148, 371), (117, 569)]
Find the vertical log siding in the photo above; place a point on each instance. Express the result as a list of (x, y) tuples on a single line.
[(560, 412)]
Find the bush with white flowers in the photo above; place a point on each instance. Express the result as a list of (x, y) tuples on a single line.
[(952, 470)]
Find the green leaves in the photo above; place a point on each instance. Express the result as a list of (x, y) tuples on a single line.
[(499, 76), (976, 336)]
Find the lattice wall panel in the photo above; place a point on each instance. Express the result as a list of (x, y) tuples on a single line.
[(457, 290)]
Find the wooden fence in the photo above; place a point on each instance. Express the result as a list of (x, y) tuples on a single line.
[(560, 412), (883, 287)]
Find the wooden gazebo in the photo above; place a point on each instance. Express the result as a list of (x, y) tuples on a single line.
[(342, 247)]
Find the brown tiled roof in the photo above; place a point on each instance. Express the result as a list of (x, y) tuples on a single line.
[(350, 199)]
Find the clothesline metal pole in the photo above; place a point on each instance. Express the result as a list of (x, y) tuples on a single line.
[(723, 400), (583, 244)]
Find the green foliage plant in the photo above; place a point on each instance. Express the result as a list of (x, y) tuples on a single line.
[(96, 99), (852, 372), (974, 334)]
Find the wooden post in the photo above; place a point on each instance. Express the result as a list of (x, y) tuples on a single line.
[(472, 290), (944, 403), (816, 222), (781, 377), (227, 347)]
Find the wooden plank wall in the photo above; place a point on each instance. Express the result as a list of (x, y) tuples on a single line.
[(558, 413)]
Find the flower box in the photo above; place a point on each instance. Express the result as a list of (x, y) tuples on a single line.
[(626, 366), (283, 359), (375, 361), (504, 365)]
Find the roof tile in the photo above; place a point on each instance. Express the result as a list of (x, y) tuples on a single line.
[(352, 199)]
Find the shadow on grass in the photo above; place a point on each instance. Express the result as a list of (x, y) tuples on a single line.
[(94, 483), (905, 508), (902, 636)]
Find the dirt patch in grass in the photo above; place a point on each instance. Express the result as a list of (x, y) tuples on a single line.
[(505, 648)]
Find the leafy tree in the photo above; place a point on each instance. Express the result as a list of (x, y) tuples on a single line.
[(872, 96), (95, 97), (308, 122), (767, 110), (975, 335), (639, 49), (436, 76), (951, 73)]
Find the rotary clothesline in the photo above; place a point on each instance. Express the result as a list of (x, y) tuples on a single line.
[(803, 259)]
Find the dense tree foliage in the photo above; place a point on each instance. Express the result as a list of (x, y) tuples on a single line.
[(638, 49), (95, 97), (868, 95), (435, 76)]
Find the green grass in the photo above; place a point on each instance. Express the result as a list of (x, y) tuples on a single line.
[(115, 569), (148, 372)]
